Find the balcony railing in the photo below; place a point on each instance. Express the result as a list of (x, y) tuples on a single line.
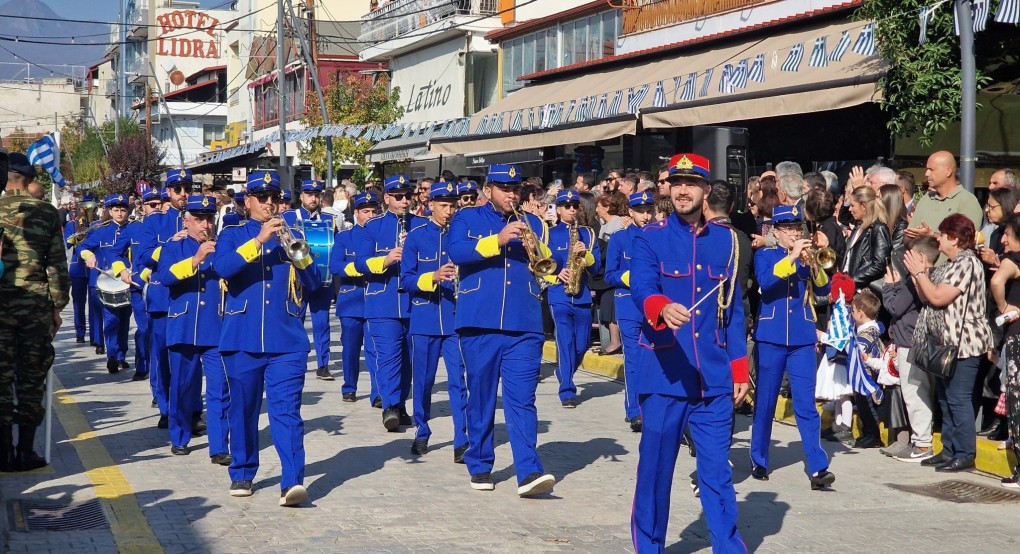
[(111, 87), (138, 21), (401, 17), (645, 15)]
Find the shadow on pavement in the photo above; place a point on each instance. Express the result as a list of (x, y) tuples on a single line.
[(761, 509)]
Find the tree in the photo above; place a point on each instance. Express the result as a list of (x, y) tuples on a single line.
[(922, 91), (133, 159), (119, 164), (354, 100)]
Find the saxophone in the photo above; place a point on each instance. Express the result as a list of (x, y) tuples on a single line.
[(575, 263)]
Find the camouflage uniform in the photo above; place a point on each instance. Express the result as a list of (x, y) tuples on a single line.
[(34, 283)]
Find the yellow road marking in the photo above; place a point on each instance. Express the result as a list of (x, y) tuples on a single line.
[(131, 531)]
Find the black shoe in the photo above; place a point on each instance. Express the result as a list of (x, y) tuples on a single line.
[(198, 427), (935, 460), (25, 458), (391, 419), (956, 464), (1001, 434), (992, 428), (324, 374), (240, 488), (784, 391), (405, 418), (163, 423), (536, 484), (79, 340), (349, 397), (180, 450), (458, 454), (154, 403), (140, 376), (124, 365), (759, 473), (822, 480), (222, 459), (635, 424), (827, 434), (100, 350), (377, 403), (419, 447), (112, 366), (569, 403), (865, 441), (482, 482)]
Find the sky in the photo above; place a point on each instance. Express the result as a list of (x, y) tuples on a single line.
[(98, 10)]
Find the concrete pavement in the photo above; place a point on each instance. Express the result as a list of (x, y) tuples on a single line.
[(369, 494)]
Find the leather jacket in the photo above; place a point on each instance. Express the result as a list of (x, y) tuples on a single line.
[(869, 254), (899, 248)]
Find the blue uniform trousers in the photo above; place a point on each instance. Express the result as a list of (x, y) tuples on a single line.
[(159, 362), (142, 331), (425, 352), (319, 302), (282, 376), (393, 359), (95, 318), (190, 363), (573, 333), (629, 332), (490, 355), (79, 295), (801, 367), (664, 419), (352, 337), (116, 324)]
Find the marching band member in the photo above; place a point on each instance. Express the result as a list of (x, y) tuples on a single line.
[(235, 217), (193, 331), (74, 233), (785, 341), (379, 253), (321, 299), (468, 193), (143, 332), (350, 302), (105, 250), (618, 256), (693, 356), (158, 229), (427, 273), (571, 311), (499, 319), (285, 201), (263, 342)]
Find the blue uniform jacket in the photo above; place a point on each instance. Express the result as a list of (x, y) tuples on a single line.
[(784, 316), (109, 244), (157, 229), (618, 255), (232, 218), (383, 295), (134, 234), (432, 304), (350, 297), (673, 261), (497, 290), (260, 314), (75, 266), (559, 235), (194, 314)]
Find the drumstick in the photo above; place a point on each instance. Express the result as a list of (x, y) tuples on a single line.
[(703, 298)]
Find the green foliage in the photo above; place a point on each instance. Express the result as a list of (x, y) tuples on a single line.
[(922, 89), (90, 161), (355, 100)]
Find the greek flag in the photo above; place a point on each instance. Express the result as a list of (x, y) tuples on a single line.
[(517, 123), (841, 47), (1009, 12), (818, 56), (600, 112), (923, 17), (688, 91), (725, 86), (796, 56), (708, 81), (614, 106), (838, 332), (860, 380), (41, 152), (979, 14), (659, 98), (865, 44), (739, 76), (635, 98), (757, 71)]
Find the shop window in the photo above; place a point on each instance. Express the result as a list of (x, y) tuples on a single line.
[(211, 133)]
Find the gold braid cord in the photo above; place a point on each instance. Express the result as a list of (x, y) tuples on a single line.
[(295, 287), (725, 299), (223, 296)]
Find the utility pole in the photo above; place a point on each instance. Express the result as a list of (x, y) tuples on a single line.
[(968, 112), (281, 86), (148, 112), (118, 101)]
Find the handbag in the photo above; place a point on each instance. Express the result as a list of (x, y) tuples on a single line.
[(940, 360)]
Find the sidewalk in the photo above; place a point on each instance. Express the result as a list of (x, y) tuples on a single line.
[(369, 494)]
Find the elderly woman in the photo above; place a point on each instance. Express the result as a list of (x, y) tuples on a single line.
[(1006, 292), (955, 299), (868, 247)]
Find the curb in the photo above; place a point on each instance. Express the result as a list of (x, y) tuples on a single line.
[(989, 458)]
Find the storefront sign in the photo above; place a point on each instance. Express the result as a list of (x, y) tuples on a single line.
[(431, 82), (175, 39)]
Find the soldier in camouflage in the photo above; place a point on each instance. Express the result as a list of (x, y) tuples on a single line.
[(33, 290)]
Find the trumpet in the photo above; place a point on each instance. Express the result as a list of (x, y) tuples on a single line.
[(540, 266), (297, 249)]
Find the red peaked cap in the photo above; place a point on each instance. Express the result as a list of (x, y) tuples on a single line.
[(841, 282)]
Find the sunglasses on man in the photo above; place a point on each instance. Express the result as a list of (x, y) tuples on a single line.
[(469, 197), (263, 197), (154, 204)]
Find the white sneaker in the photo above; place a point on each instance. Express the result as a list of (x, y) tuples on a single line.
[(536, 483), (293, 496)]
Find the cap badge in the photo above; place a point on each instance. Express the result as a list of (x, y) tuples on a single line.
[(449, 187), (512, 172), (644, 197), (205, 201), (684, 163), (400, 179), (267, 178), (183, 174), (793, 211)]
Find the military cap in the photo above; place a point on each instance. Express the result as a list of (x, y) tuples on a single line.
[(18, 163), (116, 200), (504, 174), (467, 188), (443, 191), (312, 186), (263, 181), (286, 195), (568, 196), (639, 199), (150, 193), (786, 214), (178, 177), (691, 166), (397, 182), (201, 204), (365, 199)]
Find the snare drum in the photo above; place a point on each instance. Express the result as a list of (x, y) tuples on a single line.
[(113, 293), (319, 236)]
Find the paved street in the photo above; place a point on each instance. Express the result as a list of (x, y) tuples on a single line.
[(368, 494)]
